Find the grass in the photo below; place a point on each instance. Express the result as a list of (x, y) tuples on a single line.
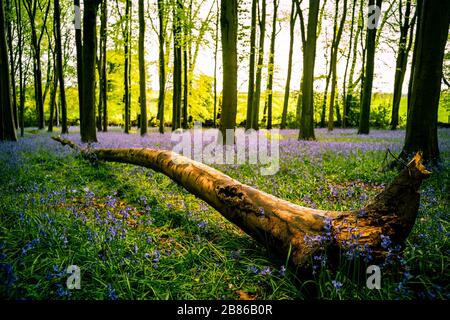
[(135, 234)]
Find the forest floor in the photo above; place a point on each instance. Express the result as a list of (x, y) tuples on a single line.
[(135, 234)]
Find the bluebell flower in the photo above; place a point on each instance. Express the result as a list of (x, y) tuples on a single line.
[(112, 292), (282, 271), (337, 284), (202, 224), (253, 269), (266, 271), (385, 242), (135, 248)]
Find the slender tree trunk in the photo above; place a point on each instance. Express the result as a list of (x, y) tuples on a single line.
[(251, 72), (401, 61), (421, 127), (325, 94), (126, 49), (79, 50), (19, 22), (99, 118), (309, 55), (103, 77), (142, 84), (162, 65), (229, 25), (88, 132), (287, 87), (185, 85), (344, 90), (298, 113), (53, 89), (337, 34), (259, 67), (11, 59), (7, 128), (216, 49), (59, 67), (368, 78), (177, 68), (271, 66)]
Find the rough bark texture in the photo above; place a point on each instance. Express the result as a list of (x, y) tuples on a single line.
[(289, 70), (142, 83), (421, 127), (251, 72), (228, 28), (59, 67), (257, 92), (309, 55), (88, 129), (79, 49), (368, 78), (283, 227), (7, 129), (162, 65)]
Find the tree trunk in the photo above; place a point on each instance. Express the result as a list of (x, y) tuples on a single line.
[(325, 93), (421, 127), (216, 49), (162, 65), (257, 93), (18, 8), (59, 67), (286, 228), (142, 84), (251, 72), (185, 85), (53, 89), (103, 77), (344, 89), (229, 25), (88, 129), (309, 56), (287, 87), (337, 34), (177, 67), (126, 49), (368, 77), (7, 128), (271, 66), (79, 49), (401, 62), (11, 59)]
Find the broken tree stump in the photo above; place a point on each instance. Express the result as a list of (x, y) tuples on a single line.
[(287, 229)]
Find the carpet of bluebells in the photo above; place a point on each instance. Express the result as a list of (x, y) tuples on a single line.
[(135, 234)]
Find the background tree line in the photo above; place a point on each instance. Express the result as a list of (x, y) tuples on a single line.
[(95, 53)]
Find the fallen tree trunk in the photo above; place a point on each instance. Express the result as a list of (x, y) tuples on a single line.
[(286, 228)]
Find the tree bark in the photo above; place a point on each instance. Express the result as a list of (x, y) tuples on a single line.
[(421, 126), (177, 67), (286, 228), (103, 77), (162, 65), (7, 128), (11, 59), (59, 67), (337, 34), (126, 49), (401, 61), (251, 72), (142, 83), (287, 87), (79, 49), (229, 25), (309, 55), (368, 77), (88, 128), (271, 66), (257, 92)]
